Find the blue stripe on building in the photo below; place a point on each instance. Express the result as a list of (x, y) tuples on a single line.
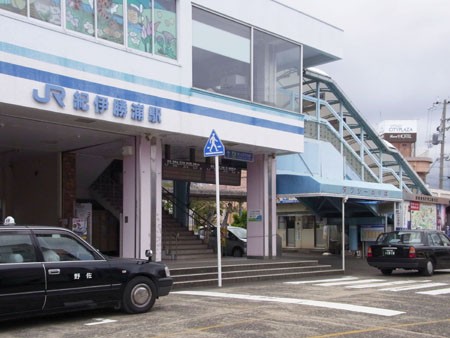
[(101, 89)]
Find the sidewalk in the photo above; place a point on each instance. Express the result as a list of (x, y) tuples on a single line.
[(353, 264)]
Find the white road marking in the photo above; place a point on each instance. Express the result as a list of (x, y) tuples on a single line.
[(321, 280), (435, 292), (351, 282), (414, 287), (376, 285), (101, 321), (329, 305)]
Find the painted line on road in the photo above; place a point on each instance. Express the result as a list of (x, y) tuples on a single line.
[(323, 304), (321, 280), (351, 282), (376, 285), (435, 292), (100, 321), (381, 328), (414, 287)]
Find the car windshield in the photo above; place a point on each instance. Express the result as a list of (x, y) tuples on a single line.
[(400, 237), (239, 232)]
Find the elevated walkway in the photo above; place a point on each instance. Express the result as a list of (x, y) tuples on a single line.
[(330, 116)]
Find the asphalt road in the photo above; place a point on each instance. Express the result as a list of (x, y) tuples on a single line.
[(360, 303)]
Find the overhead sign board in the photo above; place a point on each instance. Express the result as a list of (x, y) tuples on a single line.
[(214, 146), (238, 156)]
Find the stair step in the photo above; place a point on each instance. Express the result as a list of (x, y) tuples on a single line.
[(189, 257), (249, 273), (243, 279)]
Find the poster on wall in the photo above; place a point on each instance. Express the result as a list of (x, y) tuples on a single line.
[(254, 216), (423, 216), (82, 223), (441, 217), (80, 227)]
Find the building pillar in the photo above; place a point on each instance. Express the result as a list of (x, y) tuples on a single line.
[(142, 219), (261, 206)]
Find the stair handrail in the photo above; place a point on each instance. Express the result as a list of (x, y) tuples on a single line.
[(190, 212)]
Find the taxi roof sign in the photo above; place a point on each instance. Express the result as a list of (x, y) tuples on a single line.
[(214, 146)]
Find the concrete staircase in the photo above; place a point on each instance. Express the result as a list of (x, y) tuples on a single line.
[(181, 244), (243, 270)]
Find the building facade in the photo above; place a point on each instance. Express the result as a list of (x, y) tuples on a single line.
[(102, 101)]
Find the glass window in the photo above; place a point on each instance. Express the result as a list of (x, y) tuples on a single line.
[(18, 6), (62, 247), (46, 10), (165, 28), (444, 239), (277, 72), (80, 16), (140, 25), (110, 20), (16, 248), (221, 55)]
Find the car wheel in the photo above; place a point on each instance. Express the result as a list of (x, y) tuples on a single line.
[(386, 272), (139, 295), (429, 268), (237, 252)]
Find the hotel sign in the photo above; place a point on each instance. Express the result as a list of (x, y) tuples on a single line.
[(400, 138)]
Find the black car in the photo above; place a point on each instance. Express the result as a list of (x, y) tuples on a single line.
[(423, 250), (49, 270)]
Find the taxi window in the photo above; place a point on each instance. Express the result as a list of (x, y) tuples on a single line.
[(62, 247), (444, 239), (16, 248), (435, 240)]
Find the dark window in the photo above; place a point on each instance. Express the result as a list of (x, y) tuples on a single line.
[(220, 55), (62, 247), (16, 248)]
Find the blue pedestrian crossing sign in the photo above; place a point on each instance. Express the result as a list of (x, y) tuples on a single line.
[(214, 146)]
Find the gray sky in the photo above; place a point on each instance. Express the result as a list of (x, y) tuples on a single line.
[(396, 57)]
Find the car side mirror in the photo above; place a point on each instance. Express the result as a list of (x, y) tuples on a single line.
[(149, 254)]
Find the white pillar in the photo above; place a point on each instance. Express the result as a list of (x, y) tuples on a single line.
[(261, 206), (128, 221), (142, 220)]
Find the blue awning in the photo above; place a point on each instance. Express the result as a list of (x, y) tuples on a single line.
[(309, 186)]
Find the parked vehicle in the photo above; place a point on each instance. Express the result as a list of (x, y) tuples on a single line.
[(423, 250), (236, 241), (49, 270)]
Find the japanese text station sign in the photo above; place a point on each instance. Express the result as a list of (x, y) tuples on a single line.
[(199, 172), (84, 102)]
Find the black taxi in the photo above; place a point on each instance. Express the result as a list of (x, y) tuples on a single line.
[(49, 270), (422, 250)]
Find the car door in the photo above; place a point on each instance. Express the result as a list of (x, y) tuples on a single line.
[(77, 276), (446, 251), (22, 278), (438, 248)]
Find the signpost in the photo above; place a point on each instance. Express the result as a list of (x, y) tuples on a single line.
[(214, 147)]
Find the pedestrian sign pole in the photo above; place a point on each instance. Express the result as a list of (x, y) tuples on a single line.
[(214, 147)]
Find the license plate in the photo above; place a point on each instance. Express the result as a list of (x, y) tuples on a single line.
[(389, 252)]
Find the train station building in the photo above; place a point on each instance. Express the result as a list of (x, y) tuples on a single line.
[(104, 101)]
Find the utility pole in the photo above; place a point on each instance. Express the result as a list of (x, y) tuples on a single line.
[(442, 131)]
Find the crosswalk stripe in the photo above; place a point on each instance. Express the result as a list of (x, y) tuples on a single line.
[(351, 282), (376, 285), (414, 287), (435, 292), (321, 280)]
